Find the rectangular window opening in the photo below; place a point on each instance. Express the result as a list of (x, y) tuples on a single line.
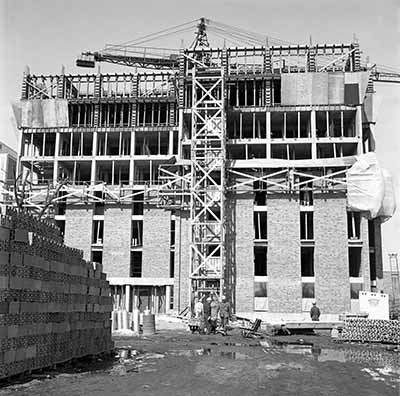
[(260, 225), (353, 225), (306, 226), (136, 265), (307, 261), (260, 260), (355, 262)]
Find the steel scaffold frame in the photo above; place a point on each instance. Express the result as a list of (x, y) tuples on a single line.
[(207, 191)]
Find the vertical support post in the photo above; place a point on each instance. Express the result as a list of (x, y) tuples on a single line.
[(313, 134), (268, 131), (56, 154), (128, 298)]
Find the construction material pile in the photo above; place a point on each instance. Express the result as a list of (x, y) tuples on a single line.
[(371, 330), (54, 306)]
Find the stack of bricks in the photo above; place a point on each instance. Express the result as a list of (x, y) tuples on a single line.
[(371, 330), (54, 306)]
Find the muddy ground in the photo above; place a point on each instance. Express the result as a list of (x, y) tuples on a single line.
[(176, 362)]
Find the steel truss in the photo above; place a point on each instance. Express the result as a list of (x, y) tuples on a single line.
[(207, 191)]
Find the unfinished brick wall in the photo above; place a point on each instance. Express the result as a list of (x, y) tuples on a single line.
[(78, 228), (332, 284), (283, 260), (54, 306), (156, 243), (244, 253), (182, 260), (117, 240), (365, 268)]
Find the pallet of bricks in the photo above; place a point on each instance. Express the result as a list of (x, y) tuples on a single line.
[(54, 306), (371, 330)]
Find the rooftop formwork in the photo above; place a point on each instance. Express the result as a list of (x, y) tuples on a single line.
[(222, 170)]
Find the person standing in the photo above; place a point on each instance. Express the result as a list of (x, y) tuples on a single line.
[(198, 309), (224, 313), (214, 314), (207, 314), (315, 312)]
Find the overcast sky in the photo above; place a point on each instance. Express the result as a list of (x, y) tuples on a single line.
[(46, 34)]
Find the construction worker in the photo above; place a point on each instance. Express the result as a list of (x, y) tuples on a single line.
[(224, 313), (207, 314), (315, 312), (214, 314)]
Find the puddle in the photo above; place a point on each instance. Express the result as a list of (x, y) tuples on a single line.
[(234, 355)]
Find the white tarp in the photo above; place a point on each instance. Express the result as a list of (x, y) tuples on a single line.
[(375, 304), (44, 113), (370, 189), (388, 206)]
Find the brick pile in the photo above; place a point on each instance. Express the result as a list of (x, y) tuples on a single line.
[(54, 306), (371, 330)]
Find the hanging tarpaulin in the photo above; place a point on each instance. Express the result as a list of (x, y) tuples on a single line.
[(44, 113), (388, 206), (370, 188)]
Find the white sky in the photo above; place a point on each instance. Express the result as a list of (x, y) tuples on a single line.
[(46, 34)]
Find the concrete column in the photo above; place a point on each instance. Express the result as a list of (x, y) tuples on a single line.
[(56, 153), (268, 130), (359, 130), (131, 161), (313, 134), (128, 298), (171, 142), (180, 133), (94, 152), (167, 297)]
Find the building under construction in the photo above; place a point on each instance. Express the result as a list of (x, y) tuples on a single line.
[(210, 169)]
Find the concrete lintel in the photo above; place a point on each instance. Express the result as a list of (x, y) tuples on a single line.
[(118, 281)]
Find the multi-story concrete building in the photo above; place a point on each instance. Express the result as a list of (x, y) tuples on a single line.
[(223, 171)]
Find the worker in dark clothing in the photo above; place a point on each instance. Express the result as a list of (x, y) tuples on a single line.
[(224, 313), (207, 315), (315, 312)]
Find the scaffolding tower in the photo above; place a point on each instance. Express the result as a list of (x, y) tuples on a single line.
[(207, 190)]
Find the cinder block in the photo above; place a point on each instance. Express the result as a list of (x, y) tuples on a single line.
[(4, 282)]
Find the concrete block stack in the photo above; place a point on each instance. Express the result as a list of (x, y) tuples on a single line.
[(371, 330), (54, 306)]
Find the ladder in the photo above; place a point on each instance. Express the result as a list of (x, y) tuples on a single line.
[(207, 190)]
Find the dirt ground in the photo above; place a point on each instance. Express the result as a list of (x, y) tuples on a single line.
[(176, 362)]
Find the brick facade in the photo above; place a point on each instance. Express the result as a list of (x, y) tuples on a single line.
[(283, 260), (331, 263), (156, 243), (182, 260), (78, 228), (244, 263), (117, 240)]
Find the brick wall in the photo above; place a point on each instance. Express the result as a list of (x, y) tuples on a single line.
[(78, 228), (365, 254), (244, 231), (332, 284), (54, 306), (156, 243), (182, 260), (283, 260), (117, 240)]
